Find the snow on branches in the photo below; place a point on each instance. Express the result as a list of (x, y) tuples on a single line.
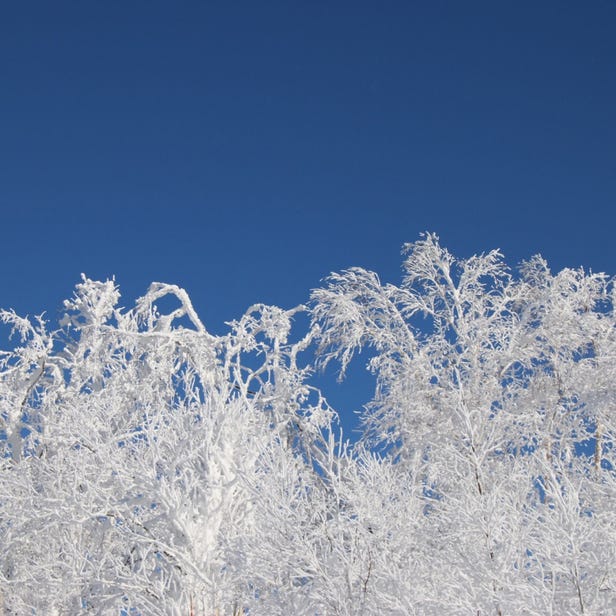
[(150, 467)]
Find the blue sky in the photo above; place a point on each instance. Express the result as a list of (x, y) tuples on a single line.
[(244, 150)]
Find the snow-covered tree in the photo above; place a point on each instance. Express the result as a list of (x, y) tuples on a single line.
[(497, 393), (132, 438), (150, 467)]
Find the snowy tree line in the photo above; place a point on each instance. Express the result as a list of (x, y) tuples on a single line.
[(150, 467)]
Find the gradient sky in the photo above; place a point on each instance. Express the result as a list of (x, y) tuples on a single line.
[(244, 150)]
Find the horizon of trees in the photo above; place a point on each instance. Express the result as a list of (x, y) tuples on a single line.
[(148, 466)]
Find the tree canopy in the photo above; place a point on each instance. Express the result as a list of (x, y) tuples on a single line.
[(150, 467)]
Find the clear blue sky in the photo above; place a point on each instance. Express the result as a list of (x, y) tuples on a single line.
[(244, 150)]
